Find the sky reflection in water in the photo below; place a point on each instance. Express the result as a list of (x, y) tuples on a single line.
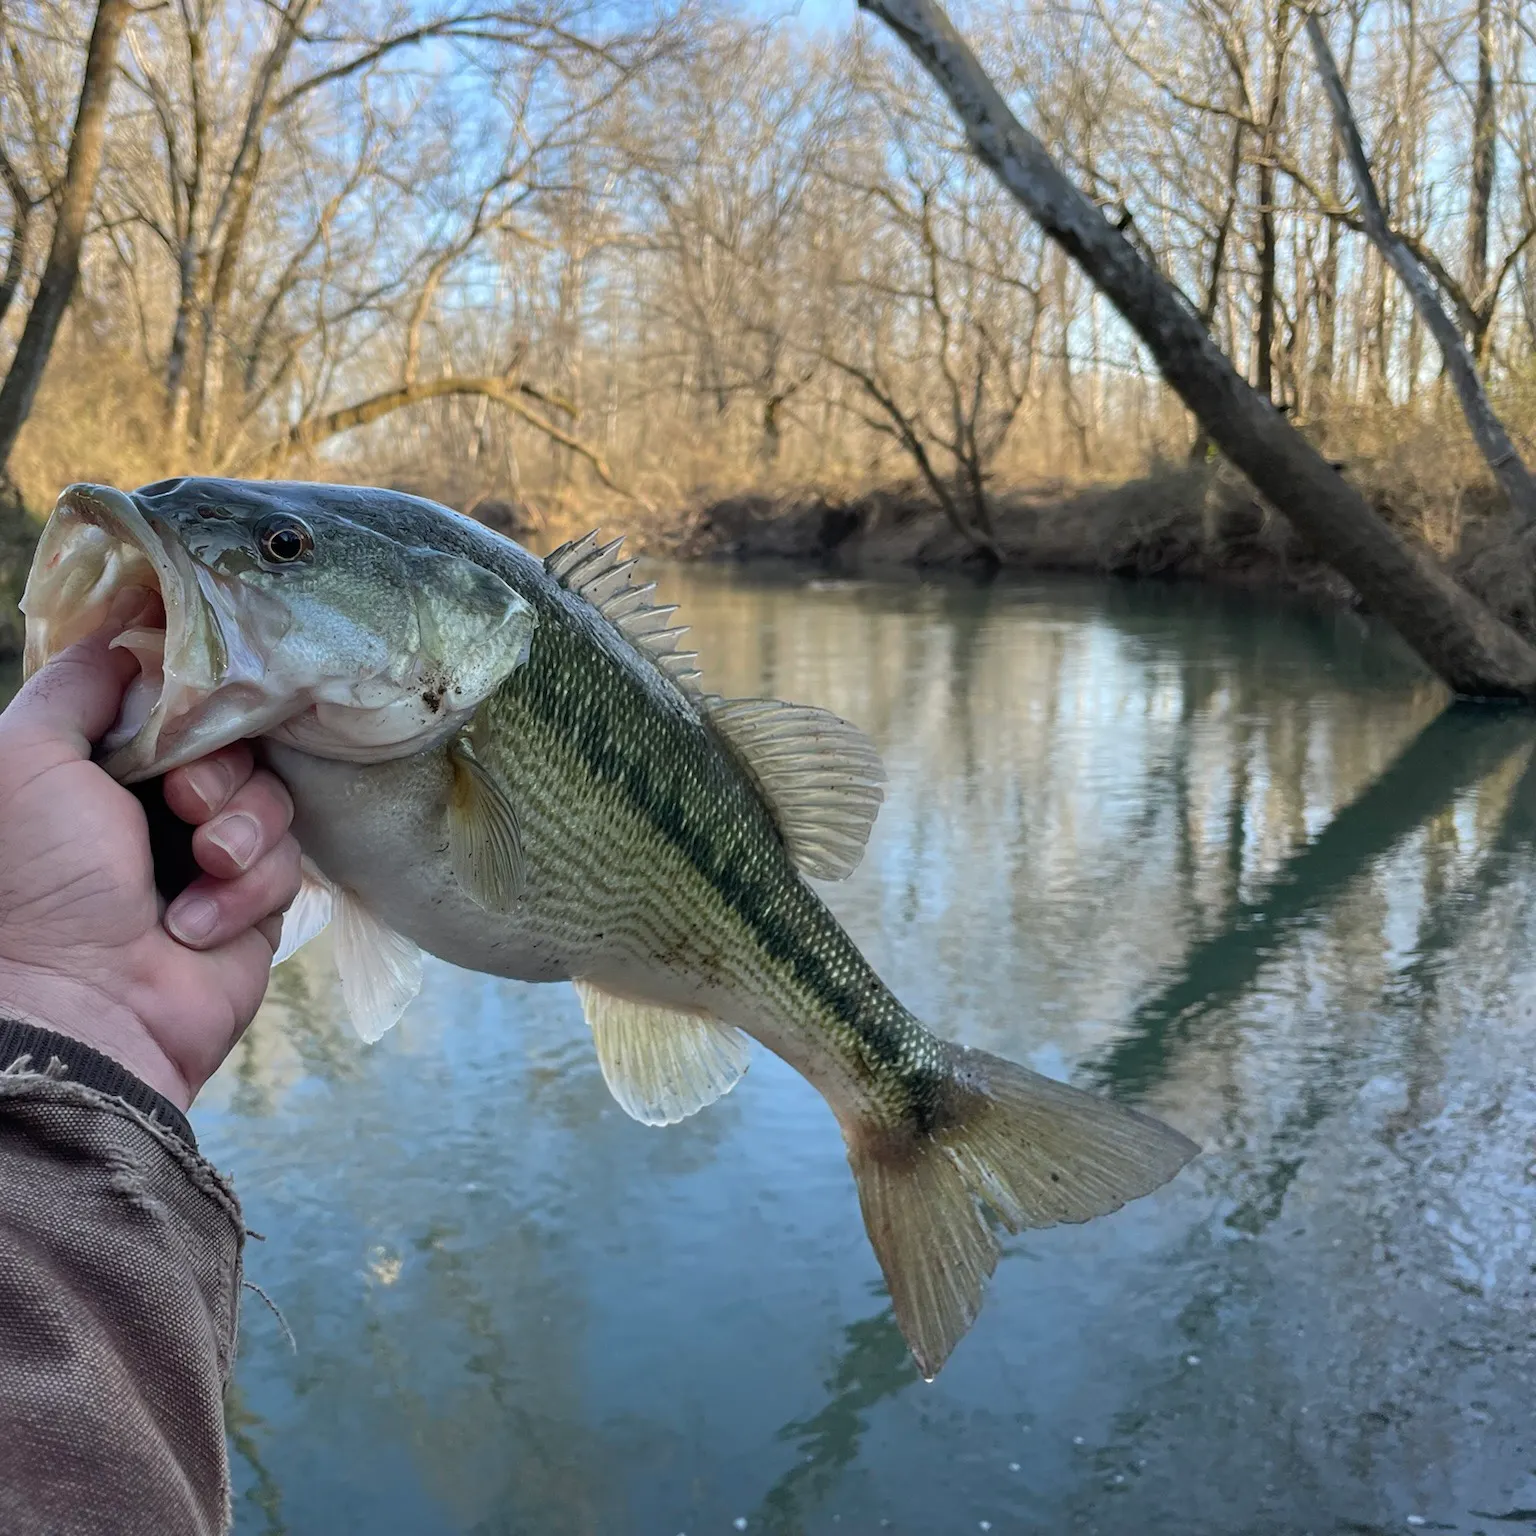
[(1223, 858)]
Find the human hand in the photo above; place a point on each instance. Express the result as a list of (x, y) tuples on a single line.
[(85, 947)]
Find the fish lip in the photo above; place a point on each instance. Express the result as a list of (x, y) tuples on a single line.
[(189, 670), (115, 514)]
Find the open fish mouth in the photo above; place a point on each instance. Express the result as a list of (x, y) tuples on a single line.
[(197, 682)]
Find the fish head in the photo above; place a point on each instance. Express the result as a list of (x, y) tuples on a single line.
[(282, 616)]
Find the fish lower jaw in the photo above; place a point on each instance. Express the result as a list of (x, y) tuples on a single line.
[(78, 601)]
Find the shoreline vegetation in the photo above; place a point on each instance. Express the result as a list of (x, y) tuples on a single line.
[(734, 286), (1198, 522), (1195, 522)]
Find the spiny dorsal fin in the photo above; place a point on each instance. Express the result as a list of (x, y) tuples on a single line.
[(595, 571), (661, 1065), (820, 775)]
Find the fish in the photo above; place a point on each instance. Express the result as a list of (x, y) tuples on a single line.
[(511, 763)]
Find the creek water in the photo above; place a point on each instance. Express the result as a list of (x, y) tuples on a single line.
[(1225, 858)]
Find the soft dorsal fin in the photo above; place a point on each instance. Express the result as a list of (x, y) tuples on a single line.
[(595, 571), (820, 775), (661, 1065)]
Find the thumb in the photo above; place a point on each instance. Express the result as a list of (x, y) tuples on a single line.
[(76, 695)]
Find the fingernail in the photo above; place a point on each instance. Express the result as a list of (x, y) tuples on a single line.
[(191, 918), (237, 835), (209, 782)]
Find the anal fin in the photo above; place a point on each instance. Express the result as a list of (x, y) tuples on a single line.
[(661, 1065)]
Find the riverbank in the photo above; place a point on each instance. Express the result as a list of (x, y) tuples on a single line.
[(1199, 523), (1189, 523)]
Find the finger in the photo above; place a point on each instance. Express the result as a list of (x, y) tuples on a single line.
[(253, 822), (77, 694), (211, 912), (199, 791), (271, 929), (241, 970)]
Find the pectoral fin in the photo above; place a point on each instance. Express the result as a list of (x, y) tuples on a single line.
[(661, 1065), (380, 969), (308, 913), (484, 843)]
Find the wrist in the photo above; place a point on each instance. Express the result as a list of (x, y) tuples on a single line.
[(68, 1006), (32, 1048)]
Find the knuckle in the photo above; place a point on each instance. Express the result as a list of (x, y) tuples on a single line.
[(279, 793), (238, 761), (266, 798)]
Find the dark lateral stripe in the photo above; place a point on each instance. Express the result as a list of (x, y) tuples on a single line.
[(585, 730)]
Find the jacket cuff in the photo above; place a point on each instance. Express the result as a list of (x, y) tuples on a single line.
[(91, 1069)]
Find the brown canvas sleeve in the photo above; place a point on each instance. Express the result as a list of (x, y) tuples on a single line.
[(120, 1271)]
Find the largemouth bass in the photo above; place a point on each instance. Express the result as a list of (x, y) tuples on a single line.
[(508, 762)]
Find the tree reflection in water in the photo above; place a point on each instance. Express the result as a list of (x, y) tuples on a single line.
[(1229, 860)]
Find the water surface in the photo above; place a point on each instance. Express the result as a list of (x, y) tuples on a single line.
[(1223, 858)]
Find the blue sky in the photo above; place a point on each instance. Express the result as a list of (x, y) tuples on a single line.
[(814, 14)]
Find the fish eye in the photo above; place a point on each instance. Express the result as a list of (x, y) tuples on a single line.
[(284, 540)]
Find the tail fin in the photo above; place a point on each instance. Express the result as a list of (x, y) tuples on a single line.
[(1034, 1150)]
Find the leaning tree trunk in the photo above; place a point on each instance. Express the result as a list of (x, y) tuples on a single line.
[(75, 199), (1456, 635)]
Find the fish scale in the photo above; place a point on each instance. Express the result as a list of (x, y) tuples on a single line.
[(729, 887), (532, 783)]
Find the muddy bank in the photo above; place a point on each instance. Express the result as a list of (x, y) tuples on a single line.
[(1195, 524)]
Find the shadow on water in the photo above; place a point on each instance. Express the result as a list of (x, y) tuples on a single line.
[(874, 1365), (264, 1496), (1336, 1066), (303, 1026), (1457, 748), (1454, 752)]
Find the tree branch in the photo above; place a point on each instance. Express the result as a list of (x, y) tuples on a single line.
[(1456, 635), (512, 397), (1488, 431)]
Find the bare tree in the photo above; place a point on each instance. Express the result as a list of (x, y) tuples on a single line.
[(1455, 634), (1488, 431), (75, 197), (938, 332), (715, 253)]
